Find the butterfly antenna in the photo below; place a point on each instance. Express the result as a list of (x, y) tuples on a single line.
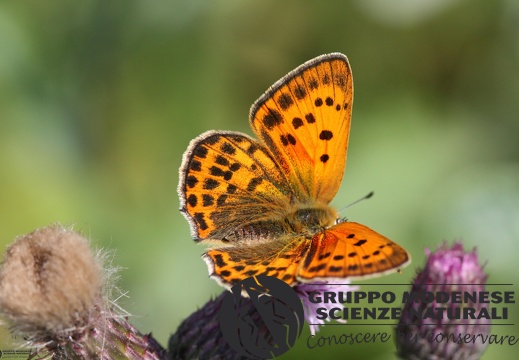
[(357, 201)]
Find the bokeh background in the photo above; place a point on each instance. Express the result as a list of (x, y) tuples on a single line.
[(99, 100)]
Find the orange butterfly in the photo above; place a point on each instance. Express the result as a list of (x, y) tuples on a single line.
[(263, 204)]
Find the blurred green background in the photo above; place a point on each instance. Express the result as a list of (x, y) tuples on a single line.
[(99, 100)]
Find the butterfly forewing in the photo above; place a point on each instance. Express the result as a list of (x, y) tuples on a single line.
[(229, 180), (304, 120)]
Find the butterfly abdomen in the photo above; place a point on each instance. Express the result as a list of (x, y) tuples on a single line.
[(258, 231), (296, 220)]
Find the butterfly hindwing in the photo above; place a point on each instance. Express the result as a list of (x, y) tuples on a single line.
[(231, 265), (304, 120), (351, 250)]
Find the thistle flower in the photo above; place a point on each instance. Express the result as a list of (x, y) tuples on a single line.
[(200, 337), (449, 269), (56, 295), (258, 318), (304, 290)]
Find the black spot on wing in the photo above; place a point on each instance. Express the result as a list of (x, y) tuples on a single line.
[(340, 80), (273, 118), (234, 167), (219, 261), (253, 183), (200, 151), (325, 135), (285, 101), (326, 79), (317, 268), (360, 242), (200, 220), (310, 118), (210, 184), (287, 139), (221, 199), (191, 181), (324, 158), (216, 171), (192, 200), (300, 92), (335, 268), (207, 200), (228, 148), (252, 148), (220, 160), (297, 122), (195, 165), (213, 139), (324, 256)]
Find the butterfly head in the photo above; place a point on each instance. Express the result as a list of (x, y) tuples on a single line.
[(311, 219)]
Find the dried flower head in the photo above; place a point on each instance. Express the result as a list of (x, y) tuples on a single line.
[(55, 293), (50, 281)]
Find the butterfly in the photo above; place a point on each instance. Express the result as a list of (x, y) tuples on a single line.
[(262, 205)]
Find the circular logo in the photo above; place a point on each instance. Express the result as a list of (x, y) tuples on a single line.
[(261, 317)]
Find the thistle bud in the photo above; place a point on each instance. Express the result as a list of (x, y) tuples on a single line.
[(54, 291)]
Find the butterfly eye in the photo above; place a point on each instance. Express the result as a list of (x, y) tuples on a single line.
[(307, 216)]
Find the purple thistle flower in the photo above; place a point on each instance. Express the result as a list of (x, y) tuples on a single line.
[(448, 270), (199, 336), (304, 290)]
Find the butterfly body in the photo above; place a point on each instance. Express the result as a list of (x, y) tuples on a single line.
[(264, 205)]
